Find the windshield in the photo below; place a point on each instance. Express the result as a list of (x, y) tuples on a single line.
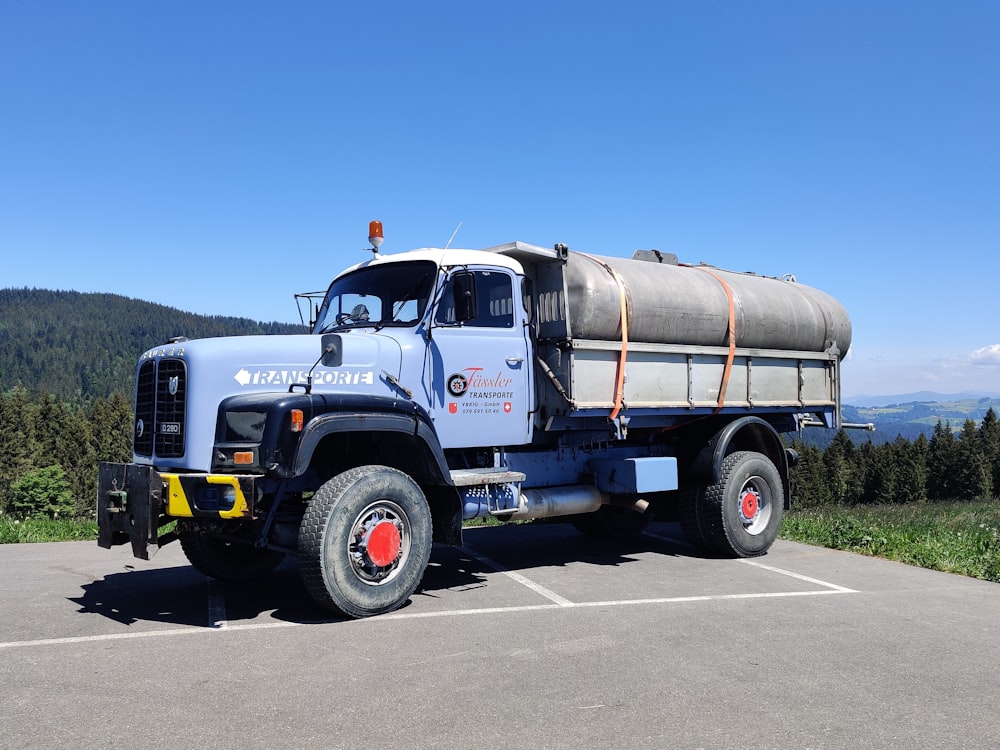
[(390, 294)]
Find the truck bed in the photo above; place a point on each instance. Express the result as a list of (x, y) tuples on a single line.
[(683, 378)]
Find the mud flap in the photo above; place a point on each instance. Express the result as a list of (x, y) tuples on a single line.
[(130, 508)]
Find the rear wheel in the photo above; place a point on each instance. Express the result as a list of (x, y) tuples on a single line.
[(365, 541), (228, 561), (691, 500), (741, 514)]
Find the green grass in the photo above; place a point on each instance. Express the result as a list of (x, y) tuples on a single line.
[(13, 531), (961, 538)]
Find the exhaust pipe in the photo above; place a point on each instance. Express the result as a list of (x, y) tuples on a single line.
[(554, 501)]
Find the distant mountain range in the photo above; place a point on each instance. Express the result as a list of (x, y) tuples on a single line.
[(865, 400), (911, 418)]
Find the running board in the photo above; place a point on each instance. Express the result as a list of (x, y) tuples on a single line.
[(478, 477)]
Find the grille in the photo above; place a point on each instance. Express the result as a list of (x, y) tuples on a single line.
[(160, 405), (145, 403)]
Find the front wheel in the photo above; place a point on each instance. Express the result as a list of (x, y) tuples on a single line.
[(365, 541), (740, 515)]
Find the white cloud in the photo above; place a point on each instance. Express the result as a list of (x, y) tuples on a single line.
[(987, 355)]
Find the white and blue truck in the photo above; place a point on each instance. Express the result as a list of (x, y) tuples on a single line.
[(437, 386)]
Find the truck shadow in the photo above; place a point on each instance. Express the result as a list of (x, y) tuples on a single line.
[(181, 596)]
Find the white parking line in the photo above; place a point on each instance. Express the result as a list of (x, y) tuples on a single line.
[(610, 603), (762, 566), (144, 634), (552, 596), (835, 587), (216, 605)]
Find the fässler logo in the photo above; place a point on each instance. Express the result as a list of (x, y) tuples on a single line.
[(472, 377)]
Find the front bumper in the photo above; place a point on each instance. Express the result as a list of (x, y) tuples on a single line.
[(134, 501)]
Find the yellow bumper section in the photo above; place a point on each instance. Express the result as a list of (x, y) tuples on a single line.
[(190, 495)]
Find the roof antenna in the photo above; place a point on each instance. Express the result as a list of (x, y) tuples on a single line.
[(375, 236), (453, 235)]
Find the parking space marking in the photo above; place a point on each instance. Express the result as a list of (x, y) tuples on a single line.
[(762, 566), (216, 605), (527, 582), (142, 634), (835, 587), (611, 603)]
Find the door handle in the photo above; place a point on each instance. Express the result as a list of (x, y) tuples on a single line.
[(514, 361)]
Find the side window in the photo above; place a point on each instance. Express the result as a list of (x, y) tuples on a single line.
[(494, 297)]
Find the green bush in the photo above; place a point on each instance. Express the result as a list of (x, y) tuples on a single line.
[(42, 493)]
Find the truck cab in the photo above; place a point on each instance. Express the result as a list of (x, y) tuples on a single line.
[(462, 329)]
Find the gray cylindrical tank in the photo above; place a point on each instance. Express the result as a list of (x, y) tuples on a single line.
[(678, 304)]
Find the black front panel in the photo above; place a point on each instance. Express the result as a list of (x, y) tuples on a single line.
[(160, 407), (171, 399), (145, 409)]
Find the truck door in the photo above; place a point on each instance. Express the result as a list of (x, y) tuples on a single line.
[(478, 366)]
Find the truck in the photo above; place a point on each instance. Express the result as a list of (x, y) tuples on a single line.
[(435, 386)]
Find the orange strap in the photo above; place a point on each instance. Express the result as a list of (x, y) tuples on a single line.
[(620, 378), (620, 381), (732, 337)]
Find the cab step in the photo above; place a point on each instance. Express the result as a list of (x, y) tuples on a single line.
[(491, 475)]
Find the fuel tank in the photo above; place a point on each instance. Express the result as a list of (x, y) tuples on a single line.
[(672, 303)]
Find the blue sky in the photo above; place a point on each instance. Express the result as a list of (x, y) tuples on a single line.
[(219, 157)]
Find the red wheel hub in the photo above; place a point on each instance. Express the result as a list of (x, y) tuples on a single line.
[(749, 504), (383, 543)]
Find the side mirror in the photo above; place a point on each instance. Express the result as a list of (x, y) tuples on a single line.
[(466, 305), (332, 351)]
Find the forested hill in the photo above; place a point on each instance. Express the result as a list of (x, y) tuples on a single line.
[(80, 346)]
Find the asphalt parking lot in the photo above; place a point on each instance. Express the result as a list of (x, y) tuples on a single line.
[(528, 637)]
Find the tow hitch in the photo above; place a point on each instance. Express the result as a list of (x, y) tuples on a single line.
[(130, 508)]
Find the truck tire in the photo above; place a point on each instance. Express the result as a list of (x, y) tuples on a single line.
[(740, 516), (228, 561), (691, 500), (365, 541), (611, 522)]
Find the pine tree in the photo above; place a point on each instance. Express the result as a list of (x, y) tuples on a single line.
[(942, 464), (879, 473), (973, 477), (911, 469), (17, 440), (808, 478), (111, 428), (841, 469), (989, 437)]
